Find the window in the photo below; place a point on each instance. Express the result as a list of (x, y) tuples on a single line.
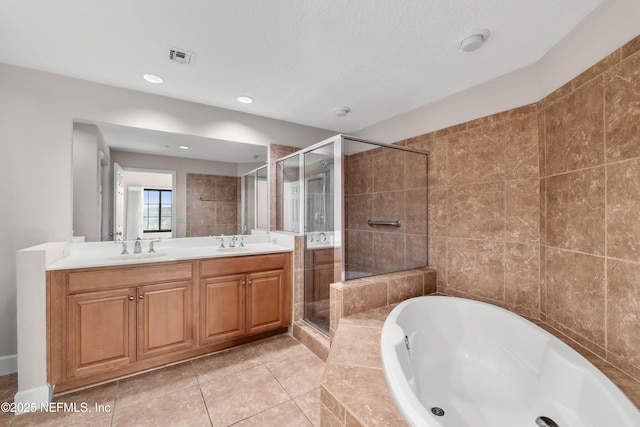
[(157, 210)]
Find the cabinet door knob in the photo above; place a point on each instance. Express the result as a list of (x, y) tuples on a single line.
[(141, 296), (131, 298), (244, 283), (250, 281)]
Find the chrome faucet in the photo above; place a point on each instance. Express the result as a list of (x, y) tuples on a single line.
[(234, 239), (242, 241), (151, 249), (221, 241), (324, 236), (137, 248), (124, 247)]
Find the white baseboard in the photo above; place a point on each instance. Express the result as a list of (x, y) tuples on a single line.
[(8, 364), (33, 399)]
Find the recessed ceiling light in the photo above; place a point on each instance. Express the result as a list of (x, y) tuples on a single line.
[(183, 147), (245, 99), (153, 78)]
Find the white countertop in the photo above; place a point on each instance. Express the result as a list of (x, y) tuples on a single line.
[(101, 254)]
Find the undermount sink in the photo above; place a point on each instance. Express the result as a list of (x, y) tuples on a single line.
[(131, 257), (234, 249)]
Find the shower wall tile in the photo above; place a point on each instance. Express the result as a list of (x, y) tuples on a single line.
[(360, 209), (522, 199), (389, 252), (359, 175), (212, 205), (438, 260), (575, 211), (402, 286), (389, 206), (360, 249), (623, 310), (416, 211), (574, 130), (388, 170), (476, 267), (415, 171), (416, 251), (576, 292), (476, 211), (623, 198)]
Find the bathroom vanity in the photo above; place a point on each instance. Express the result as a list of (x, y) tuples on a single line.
[(106, 321)]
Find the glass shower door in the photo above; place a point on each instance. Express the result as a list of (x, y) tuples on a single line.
[(320, 264)]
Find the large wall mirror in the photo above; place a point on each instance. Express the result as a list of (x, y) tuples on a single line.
[(131, 182)]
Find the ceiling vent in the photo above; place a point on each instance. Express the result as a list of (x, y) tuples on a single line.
[(181, 56)]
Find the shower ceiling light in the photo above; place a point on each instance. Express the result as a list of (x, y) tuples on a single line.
[(474, 40)]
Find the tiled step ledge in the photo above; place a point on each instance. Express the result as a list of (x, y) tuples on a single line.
[(354, 391), (360, 295)]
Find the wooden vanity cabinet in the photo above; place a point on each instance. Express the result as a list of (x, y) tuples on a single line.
[(244, 296), (102, 320), (106, 322)]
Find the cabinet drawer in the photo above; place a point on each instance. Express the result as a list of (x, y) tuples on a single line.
[(242, 264), (127, 276)]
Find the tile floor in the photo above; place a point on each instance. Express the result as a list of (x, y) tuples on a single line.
[(271, 382)]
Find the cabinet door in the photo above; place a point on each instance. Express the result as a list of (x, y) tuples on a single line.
[(102, 330), (222, 308), (164, 318), (265, 296)]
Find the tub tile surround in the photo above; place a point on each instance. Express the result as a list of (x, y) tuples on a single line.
[(535, 209), (354, 391)]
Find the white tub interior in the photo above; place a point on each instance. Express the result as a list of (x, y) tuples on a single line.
[(485, 366)]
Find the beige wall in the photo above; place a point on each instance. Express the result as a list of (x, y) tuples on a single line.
[(537, 209)]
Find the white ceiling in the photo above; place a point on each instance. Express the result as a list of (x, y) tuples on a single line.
[(299, 59)]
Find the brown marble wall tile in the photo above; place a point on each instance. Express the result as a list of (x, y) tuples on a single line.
[(388, 170), (574, 130), (405, 285), (437, 148), (415, 211), (476, 267), (360, 249), (522, 275), (359, 175), (437, 211), (438, 260), (522, 198), (477, 156), (389, 206), (389, 252), (521, 150), (357, 299), (622, 121), (623, 310), (476, 211), (575, 211), (415, 171), (416, 246), (359, 209), (623, 221), (576, 292)]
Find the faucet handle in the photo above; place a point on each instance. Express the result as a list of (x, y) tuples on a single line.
[(234, 239), (124, 247), (242, 241), (221, 241)]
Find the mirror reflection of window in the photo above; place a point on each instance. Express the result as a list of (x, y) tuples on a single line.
[(157, 210)]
